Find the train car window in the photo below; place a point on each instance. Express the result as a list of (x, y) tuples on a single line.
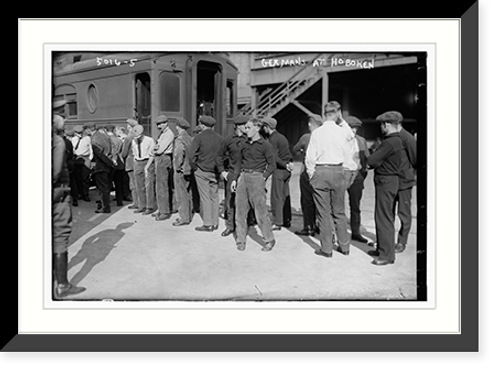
[(143, 101), (67, 92), (170, 92), (92, 98)]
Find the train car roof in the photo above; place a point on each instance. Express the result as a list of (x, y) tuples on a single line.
[(90, 63)]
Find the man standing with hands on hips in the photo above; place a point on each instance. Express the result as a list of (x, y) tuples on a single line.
[(386, 161)]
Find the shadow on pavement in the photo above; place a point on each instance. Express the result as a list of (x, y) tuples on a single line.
[(95, 250)]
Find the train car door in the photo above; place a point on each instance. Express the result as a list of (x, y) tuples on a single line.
[(143, 101), (209, 92)]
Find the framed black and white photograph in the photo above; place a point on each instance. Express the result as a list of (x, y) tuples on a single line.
[(245, 191)]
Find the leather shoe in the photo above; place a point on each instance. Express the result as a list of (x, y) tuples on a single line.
[(276, 227), (240, 246), (227, 232), (139, 211), (179, 223), (132, 207), (399, 248), (322, 253), (359, 238), (381, 262), (205, 228), (148, 212), (161, 217), (346, 252), (102, 211), (305, 232), (269, 246), (373, 253)]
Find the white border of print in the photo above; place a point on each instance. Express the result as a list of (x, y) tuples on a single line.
[(443, 318)]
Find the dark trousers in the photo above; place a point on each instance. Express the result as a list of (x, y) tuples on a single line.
[(404, 214), (280, 197), (103, 184), (230, 205), (307, 201), (163, 169), (81, 174), (328, 185), (183, 192), (386, 189), (251, 192), (118, 178), (355, 194), (209, 197), (140, 183)]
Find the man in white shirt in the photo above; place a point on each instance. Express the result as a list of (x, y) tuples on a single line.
[(329, 149), (142, 147), (82, 149)]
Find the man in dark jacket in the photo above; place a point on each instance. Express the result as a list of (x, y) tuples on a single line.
[(406, 183), (386, 161), (202, 156), (61, 213), (280, 186), (104, 165)]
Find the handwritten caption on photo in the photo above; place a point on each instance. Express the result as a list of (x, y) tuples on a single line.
[(320, 62), (115, 62)]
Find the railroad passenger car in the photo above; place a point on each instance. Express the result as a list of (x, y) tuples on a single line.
[(109, 88)]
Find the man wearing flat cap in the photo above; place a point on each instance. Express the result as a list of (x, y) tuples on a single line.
[(162, 159), (227, 157), (281, 208), (142, 147), (82, 149), (406, 183), (355, 191), (386, 161), (61, 212), (183, 176), (202, 156), (306, 193)]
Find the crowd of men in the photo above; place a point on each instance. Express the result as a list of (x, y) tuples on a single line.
[(179, 173)]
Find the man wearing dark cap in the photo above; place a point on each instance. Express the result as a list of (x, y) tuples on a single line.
[(355, 191), (226, 163), (102, 150), (202, 155), (162, 158), (61, 213), (386, 161), (183, 176), (255, 163), (406, 183), (280, 187), (306, 193)]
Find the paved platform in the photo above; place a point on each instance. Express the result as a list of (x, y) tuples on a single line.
[(127, 256)]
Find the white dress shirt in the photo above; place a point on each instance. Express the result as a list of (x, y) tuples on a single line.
[(352, 161), (146, 148), (328, 145), (82, 146)]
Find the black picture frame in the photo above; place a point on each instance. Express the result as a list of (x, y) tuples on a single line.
[(467, 340)]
